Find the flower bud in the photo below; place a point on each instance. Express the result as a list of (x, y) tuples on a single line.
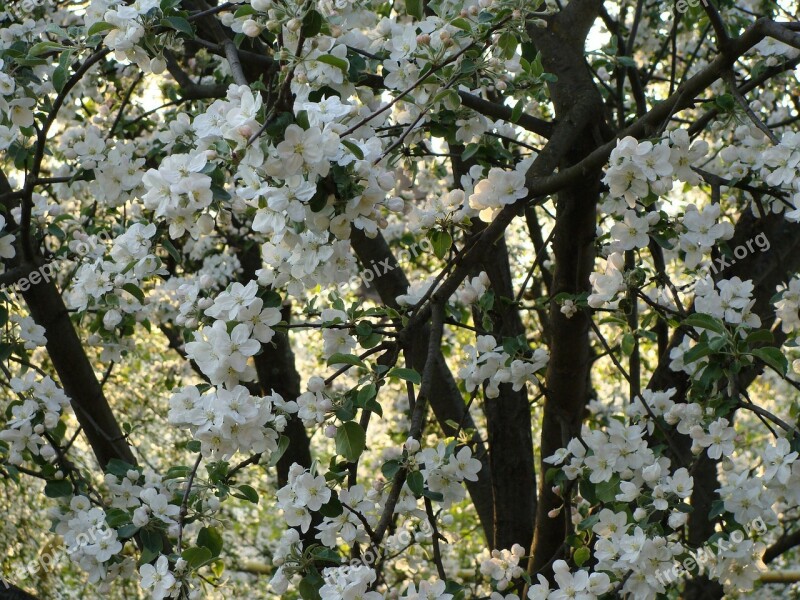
[(111, 319), (251, 29), (158, 65), (396, 204), (316, 384)]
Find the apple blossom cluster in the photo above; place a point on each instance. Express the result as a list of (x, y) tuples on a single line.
[(179, 192), (39, 408), (6, 241), (349, 582), (489, 364), (314, 406), (502, 566), (702, 231), (637, 169), (729, 300), (347, 527), (499, 189), (241, 323), (445, 469), (787, 309), (625, 473), (127, 24), (159, 580), (89, 539), (227, 421), (132, 261), (304, 493), (578, 584), (780, 166)]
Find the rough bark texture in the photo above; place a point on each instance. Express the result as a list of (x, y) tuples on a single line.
[(508, 422), (567, 378), (445, 398)]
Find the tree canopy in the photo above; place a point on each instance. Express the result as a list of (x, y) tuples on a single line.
[(362, 300)]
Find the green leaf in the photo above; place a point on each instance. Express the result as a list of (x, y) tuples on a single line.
[(773, 357), (406, 374), (442, 241), (312, 24), (354, 148), (415, 9), (607, 490), (134, 291), (309, 588), (702, 321), (44, 48), (118, 467), (100, 27), (127, 531), (332, 509), (248, 493), (334, 61), (390, 468), (196, 557), (699, 351), (725, 102), (283, 444), (508, 44), (152, 542), (760, 336), (350, 440), (178, 24), (58, 489), (416, 483), (59, 78), (116, 517), (469, 151), (211, 539), (627, 344), (177, 472), (588, 522), (581, 555), (337, 358), (244, 11), (171, 250), (365, 394)]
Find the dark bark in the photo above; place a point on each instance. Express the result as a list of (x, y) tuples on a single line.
[(77, 375), (567, 380), (445, 398), (508, 422), (12, 592)]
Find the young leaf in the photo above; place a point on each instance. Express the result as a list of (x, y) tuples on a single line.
[(350, 440), (772, 357), (406, 374)]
